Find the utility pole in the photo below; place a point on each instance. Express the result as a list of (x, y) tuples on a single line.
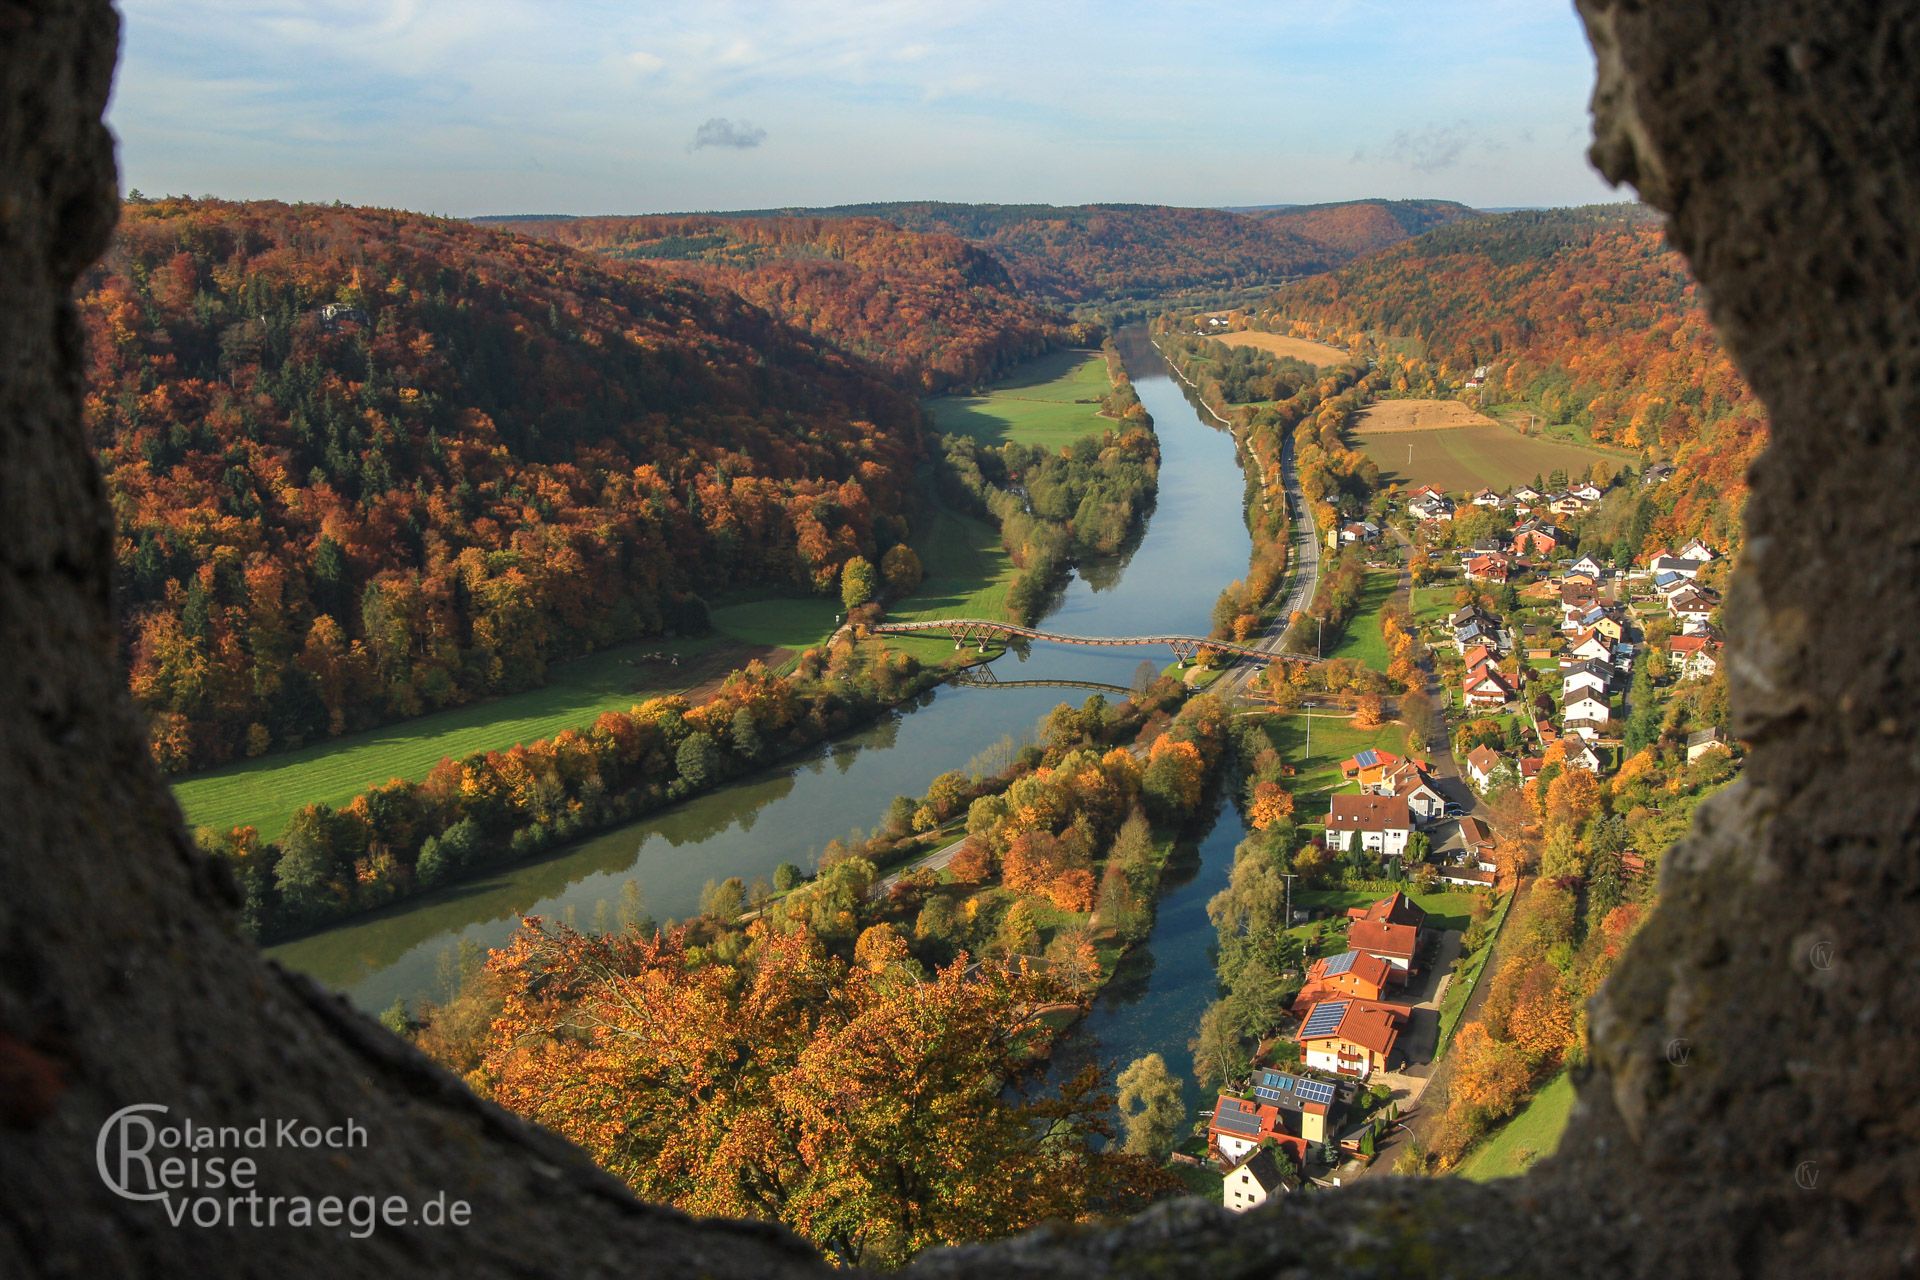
[(1288, 877)]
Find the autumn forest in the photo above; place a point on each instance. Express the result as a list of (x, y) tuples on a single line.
[(369, 469)]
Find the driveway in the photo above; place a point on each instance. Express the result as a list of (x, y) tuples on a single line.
[(1418, 1042)]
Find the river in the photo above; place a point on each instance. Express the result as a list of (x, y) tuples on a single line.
[(1194, 543)]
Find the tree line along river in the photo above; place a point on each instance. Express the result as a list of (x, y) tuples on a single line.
[(1194, 542)]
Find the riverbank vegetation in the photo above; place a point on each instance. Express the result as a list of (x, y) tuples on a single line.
[(491, 807), (928, 995), (1053, 506)]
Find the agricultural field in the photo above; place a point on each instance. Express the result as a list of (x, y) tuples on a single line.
[(265, 793), (1533, 1132), (1458, 450), (1051, 401), (1317, 354)]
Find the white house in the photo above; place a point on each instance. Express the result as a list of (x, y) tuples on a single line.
[(1581, 679), (1481, 762), (1587, 492), (1587, 565), (1704, 741), (1591, 644), (1256, 1180), (1585, 707), (1380, 824), (1581, 755), (1486, 498), (1694, 657), (1682, 565), (1697, 550)]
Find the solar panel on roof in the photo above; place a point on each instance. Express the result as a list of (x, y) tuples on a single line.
[(1277, 1080), (1315, 1091), (1265, 1094), (1324, 1019), (1367, 759), (1233, 1120), (1341, 963)]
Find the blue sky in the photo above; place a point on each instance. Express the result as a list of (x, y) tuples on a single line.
[(506, 106)]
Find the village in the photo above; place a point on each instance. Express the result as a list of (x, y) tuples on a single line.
[(1542, 653)]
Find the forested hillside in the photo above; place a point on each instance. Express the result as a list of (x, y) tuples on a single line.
[(926, 306), (1354, 227), (1582, 315), (1095, 253), (364, 464)]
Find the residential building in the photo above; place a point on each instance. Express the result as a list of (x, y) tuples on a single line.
[(1697, 550), (1581, 678), (1579, 747), (1290, 1110), (1480, 764), (1476, 843), (1488, 568), (1388, 930), (1486, 687), (1255, 1180), (1379, 824), (1350, 1037), (1704, 741), (1351, 974), (1693, 657), (1592, 645)]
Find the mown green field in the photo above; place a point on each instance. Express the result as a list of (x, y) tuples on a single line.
[(787, 622), (1051, 401), (1463, 459), (1533, 1132), (1362, 640), (967, 575), (1334, 740), (265, 793)]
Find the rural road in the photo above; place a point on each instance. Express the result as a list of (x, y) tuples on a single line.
[(1303, 570)]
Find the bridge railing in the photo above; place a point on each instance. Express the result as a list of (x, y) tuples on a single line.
[(980, 630)]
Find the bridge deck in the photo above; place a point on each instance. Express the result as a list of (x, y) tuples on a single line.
[(970, 628)]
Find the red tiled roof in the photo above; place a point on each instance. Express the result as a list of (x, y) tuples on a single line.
[(1372, 1026), (1380, 938)]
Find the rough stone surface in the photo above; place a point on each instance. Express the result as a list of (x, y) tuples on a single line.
[(1781, 138)]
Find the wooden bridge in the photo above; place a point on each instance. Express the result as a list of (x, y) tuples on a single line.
[(979, 631), (982, 677)]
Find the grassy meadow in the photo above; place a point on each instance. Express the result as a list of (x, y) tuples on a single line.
[(1362, 640), (1334, 739), (1533, 1132), (265, 793), (967, 576), (1052, 401)]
